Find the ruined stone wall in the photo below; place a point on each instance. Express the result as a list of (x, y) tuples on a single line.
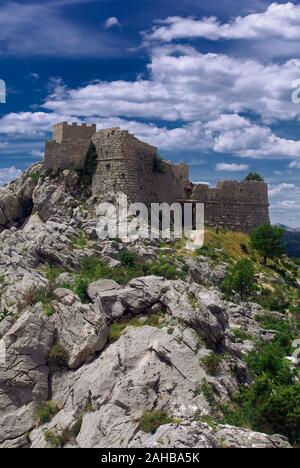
[(171, 185), (74, 132), (239, 206), (69, 146), (125, 164)]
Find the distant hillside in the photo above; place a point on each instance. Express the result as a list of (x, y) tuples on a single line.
[(292, 241)]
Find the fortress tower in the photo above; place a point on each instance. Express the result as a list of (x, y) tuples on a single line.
[(124, 164), (69, 146)]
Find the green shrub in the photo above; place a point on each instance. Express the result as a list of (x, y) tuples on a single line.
[(45, 296), (46, 411), (93, 269), (56, 440), (79, 242), (165, 269), (240, 279), (58, 356), (128, 259), (208, 392), (268, 241), (272, 403), (152, 420), (52, 272), (276, 300), (116, 331), (36, 176), (254, 176), (211, 363), (241, 334)]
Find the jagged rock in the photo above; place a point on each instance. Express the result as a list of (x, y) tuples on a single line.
[(61, 422), (203, 271), (24, 375), (145, 369), (195, 435), (15, 426), (142, 293), (79, 328), (187, 305), (51, 199)]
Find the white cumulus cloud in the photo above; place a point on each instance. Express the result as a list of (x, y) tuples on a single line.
[(277, 21), (231, 167)]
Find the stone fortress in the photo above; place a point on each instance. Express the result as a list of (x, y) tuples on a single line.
[(125, 164)]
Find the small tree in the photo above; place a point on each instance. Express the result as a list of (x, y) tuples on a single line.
[(268, 241), (240, 279), (254, 176)]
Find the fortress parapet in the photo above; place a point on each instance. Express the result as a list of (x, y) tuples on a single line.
[(69, 146)]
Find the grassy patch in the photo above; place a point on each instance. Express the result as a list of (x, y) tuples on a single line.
[(117, 329), (58, 356), (44, 296), (93, 269), (79, 242), (46, 412), (152, 420), (211, 363), (36, 176), (241, 335)]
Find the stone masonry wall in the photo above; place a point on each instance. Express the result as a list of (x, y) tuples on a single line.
[(69, 146), (239, 206), (125, 164)]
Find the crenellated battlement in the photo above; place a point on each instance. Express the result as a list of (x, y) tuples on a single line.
[(69, 132)]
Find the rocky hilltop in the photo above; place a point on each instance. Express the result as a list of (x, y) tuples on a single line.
[(112, 344)]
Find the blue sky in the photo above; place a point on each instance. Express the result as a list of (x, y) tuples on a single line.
[(208, 82)]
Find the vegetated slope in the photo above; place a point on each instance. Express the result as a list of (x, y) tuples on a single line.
[(142, 344)]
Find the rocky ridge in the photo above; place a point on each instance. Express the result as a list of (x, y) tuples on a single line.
[(87, 357)]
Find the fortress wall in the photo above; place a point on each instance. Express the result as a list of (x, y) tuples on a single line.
[(124, 164), (171, 185), (239, 206), (65, 132), (67, 155), (69, 147)]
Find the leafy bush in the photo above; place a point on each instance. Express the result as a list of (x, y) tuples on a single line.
[(212, 363), (58, 356), (254, 176), (56, 440), (152, 420), (45, 296), (208, 392), (272, 403), (36, 176), (241, 334), (128, 259), (240, 279), (46, 411), (268, 241), (275, 300)]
